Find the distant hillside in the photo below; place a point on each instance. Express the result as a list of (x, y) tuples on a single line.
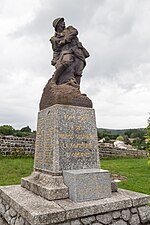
[(120, 131)]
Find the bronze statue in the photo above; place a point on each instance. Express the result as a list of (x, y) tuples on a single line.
[(69, 60), (69, 54)]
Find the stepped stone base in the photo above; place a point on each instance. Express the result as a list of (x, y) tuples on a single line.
[(18, 206), (47, 186)]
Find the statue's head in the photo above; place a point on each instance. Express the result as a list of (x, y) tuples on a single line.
[(57, 22)]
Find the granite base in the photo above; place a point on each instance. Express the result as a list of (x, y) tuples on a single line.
[(19, 206), (66, 139), (87, 184)]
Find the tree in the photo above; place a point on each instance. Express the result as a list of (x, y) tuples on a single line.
[(6, 130), (120, 138), (148, 141), (26, 129)]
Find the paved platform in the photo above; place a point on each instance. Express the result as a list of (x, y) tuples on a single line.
[(38, 210)]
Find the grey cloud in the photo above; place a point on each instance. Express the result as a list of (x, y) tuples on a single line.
[(75, 12), (114, 32)]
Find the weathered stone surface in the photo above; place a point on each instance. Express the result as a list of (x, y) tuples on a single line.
[(76, 222), (38, 211), (88, 220), (119, 222), (47, 186), (126, 214), (64, 94), (20, 221), (76, 210), (26, 223), (2, 208), (65, 223), (87, 184), (116, 214), (97, 223), (138, 199), (7, 216), (3, 221), (66, 139), (7, 207), (134, 210), (104, 218), (135, 220), (35, 209), (12, 212), (144, 212), (13, 220), (114, 186)]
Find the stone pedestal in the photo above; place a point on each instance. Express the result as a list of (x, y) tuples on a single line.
[(66, 139)]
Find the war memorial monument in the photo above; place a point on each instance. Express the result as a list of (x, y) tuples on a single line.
[(68, 186)]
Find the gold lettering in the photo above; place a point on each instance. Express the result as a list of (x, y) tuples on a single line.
[(78, 154)]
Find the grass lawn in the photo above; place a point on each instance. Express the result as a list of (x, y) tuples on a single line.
[(13, 169), (136, 171)]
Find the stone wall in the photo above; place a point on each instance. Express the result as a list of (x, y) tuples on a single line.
[(108, 152), (10, 145)]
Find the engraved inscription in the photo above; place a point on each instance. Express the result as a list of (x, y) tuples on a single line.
[(66, 139)]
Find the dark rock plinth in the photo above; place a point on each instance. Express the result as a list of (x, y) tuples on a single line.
[(65, 94)]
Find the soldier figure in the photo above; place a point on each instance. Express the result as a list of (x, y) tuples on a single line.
[(68, 53)]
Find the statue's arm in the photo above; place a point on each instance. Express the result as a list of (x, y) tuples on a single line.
[(69, 35), (54, 42), (72, 33)]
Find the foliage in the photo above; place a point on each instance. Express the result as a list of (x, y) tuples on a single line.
[(148, 141), (120, 138), (136, 171), (6, 130), (9, 130), (134, 137), (26, 129), (105, 133)]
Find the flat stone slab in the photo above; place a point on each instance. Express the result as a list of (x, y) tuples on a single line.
[(47, 186), (38, 210), (87, 184)]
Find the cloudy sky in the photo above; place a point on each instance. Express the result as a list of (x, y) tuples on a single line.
[(117, 75)]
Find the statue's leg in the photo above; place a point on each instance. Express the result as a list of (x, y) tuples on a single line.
[(60, 68), (64, 69), (79, 65)]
